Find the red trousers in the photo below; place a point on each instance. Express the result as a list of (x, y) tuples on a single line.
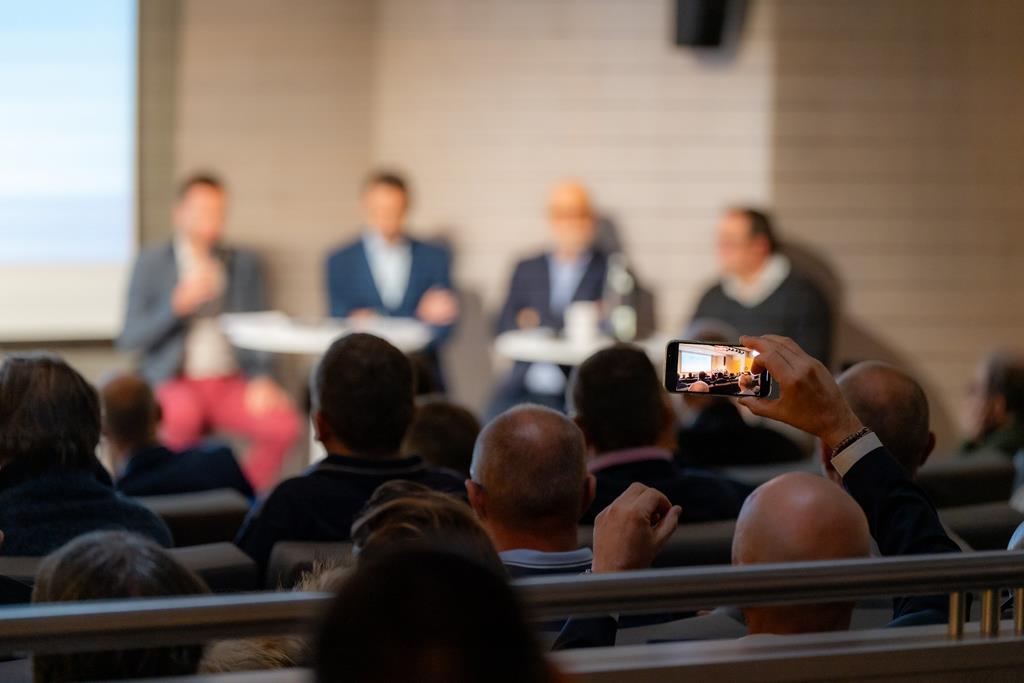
[(194, 407)]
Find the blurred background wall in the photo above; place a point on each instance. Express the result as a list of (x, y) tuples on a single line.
[(885, 135)]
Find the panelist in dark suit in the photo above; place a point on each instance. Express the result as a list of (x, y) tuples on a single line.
[(177, 291), (542, 288), (386, 272), (759, 292), (145, 467)]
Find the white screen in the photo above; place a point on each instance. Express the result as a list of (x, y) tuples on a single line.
[(67, 166)]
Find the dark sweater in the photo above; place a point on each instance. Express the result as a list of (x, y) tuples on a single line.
[(719, 437), (797, 309), (321, 504), (158, 471), (40, 514), (704, 496)]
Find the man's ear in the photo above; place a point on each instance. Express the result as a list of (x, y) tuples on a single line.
[(929, 447), (477, 498), (321, 430), (589, 492), (586, 437)]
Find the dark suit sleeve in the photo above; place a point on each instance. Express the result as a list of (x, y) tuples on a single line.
[(253, 286), (442, 278), (149, 318), (514, 302), (901, 518), (339, 305)]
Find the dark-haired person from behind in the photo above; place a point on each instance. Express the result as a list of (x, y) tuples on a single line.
[(362, 391), (386, 272), (109, 565), (52, 487), (759, 292), (443, 434), (177, 291), (626, 419), (145, 467), (431, 616)]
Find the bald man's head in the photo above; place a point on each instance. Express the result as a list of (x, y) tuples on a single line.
[(130, 411), (529, 472), (893, 405), (571, 215), (799, 517)]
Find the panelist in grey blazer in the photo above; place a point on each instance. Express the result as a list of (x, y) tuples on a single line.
[(202, 383)]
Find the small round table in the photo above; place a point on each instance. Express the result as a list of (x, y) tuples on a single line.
[(544, 345), (275, 332)]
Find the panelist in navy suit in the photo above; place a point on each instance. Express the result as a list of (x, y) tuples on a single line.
[(542, 288), (385, 272)]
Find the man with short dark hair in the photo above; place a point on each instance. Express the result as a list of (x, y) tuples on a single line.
[(759, 293), (177, 292), (386, 272), (145, 467), (624, 414), (443, 434), (894, 406), (995, 418), (362, 391), (529, 486)]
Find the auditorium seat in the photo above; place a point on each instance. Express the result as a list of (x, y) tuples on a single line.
[(289, 559), (953, 482), (691, 544), (987, 526), (201, 517), (224, 567)]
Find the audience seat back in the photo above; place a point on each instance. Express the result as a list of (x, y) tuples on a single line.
[(224, 567), (954, 482), (290, 559), (201, 517)]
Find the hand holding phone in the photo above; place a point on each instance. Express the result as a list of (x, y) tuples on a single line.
[(714, 369)]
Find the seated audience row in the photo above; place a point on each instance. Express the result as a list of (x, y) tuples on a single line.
[(420, 548)]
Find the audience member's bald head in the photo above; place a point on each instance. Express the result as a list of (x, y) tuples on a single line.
[(130, 411), (529, 471), (571, 215), (893, 405), (799, 517)]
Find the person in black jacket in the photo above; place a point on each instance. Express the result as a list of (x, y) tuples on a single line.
[(363, 393), (52, 487), (145, 467), (628, 424), (541, 290)]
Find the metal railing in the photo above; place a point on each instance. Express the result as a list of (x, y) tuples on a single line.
[(117, 624)]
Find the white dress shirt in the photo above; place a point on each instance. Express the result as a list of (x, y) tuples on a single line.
[(851, 455), (548, 379), (390, 265), (208, 352)]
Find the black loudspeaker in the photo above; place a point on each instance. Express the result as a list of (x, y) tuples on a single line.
[(703, 23)]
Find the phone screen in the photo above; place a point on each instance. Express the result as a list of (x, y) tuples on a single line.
[(693, 367)]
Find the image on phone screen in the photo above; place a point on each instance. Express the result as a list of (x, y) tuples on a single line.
[(714, 369)]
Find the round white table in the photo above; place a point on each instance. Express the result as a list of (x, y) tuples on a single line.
[(275, 332), (543, 345)]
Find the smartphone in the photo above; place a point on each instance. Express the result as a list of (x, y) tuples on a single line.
[(693, 367)]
